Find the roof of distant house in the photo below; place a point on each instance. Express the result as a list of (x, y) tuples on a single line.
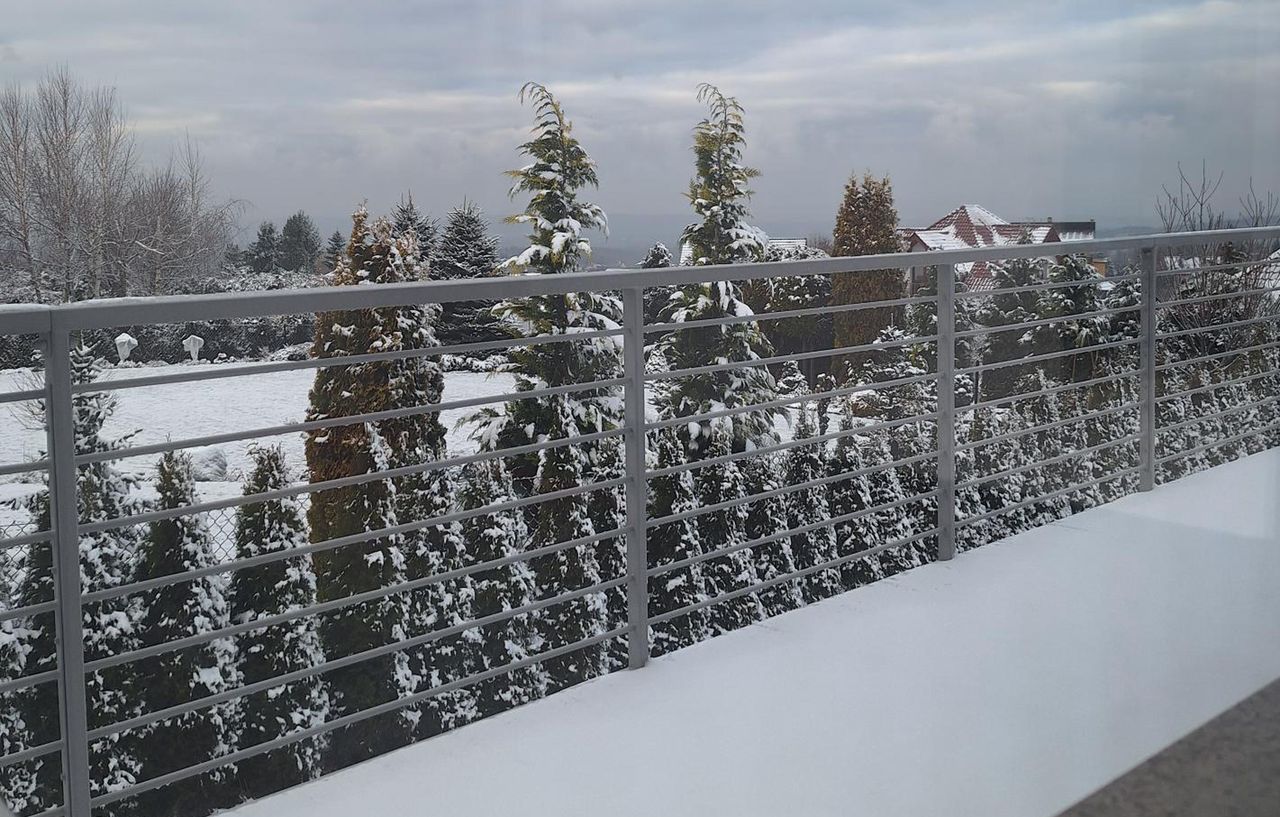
[(971, 226)]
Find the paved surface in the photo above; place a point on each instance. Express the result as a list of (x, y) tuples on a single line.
[(1230, 767)]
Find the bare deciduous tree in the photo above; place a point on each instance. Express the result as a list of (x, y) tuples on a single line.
[(79, 218)]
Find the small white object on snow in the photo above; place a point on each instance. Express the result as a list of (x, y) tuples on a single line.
[(193, 344), (209, 464), (125, 344)]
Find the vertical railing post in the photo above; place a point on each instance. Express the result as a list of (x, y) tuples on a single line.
[(637, 488), (946, 411), (1147, 361), (60, 427)]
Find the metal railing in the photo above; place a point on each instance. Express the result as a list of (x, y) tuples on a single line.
[(941, 510)]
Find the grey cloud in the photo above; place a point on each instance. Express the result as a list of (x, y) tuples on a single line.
[(1072, 109)]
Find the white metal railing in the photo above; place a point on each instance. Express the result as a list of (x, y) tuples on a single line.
[(939, 523)]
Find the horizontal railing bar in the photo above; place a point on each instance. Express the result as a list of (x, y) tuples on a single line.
[(36, 538), (1217, 327), (30, 754), (774, 537), (786, 401), (1215, 386), (792, 576), (768, 361), (1028, 395), (344, 482), (25, 319), (771, 449), (24, 467), (1017, 506), (1033, 288), (320, 608), (21, 396), (336, 422), (100, 314), (1235, 438), (993, 330), (29, 610), (786, 489), (1079, 418), (354, 717), (29, 680), (1217, 415), (1031, 466), (329, 665), (1024, 361), (1243, 350), (343, 541), (1212, 268), (252, 369), (790, 313), (1246, 293)]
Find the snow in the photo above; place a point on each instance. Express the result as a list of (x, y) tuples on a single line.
[(1011, 681), (181, 410)]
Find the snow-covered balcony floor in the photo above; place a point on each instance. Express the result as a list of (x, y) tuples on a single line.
[(1012, 681)]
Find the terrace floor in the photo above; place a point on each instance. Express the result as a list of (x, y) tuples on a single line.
[(1014, 680)]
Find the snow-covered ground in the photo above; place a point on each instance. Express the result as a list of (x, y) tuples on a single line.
[(1011, 681), (197, 408)]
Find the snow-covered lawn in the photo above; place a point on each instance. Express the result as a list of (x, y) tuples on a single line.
[(197, 408), (1011, 681)]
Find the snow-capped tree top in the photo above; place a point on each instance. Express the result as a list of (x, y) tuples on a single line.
[(720, 189), (559, 169)]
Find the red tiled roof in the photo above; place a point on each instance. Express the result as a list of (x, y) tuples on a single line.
[(971, 225)]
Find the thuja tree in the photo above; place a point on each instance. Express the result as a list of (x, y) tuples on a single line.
[(275, 526), (1069, 331), (866, 224), (492, 536), (1018, 304), (365, 509), (196, 607), (671, 542), (719, 191), (108, 559), (558, 169), (810, 508)]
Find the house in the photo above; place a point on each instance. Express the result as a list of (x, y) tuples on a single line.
[(786, 246), (969, 226)]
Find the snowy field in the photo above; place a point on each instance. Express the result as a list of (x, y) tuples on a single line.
[(1012, 681), (194, 409)]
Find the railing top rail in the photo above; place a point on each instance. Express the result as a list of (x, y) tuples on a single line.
[(111, 312)]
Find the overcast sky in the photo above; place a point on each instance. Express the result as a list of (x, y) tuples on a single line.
[(1075, 109)]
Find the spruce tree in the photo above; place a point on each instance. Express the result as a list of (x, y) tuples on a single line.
[(671, 542), (488, 537), (275, 526), (866, 224), (333, 251), (299, 243), (467, 249), (406, 218), (264, 252), (351, 450), (172, 612)]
